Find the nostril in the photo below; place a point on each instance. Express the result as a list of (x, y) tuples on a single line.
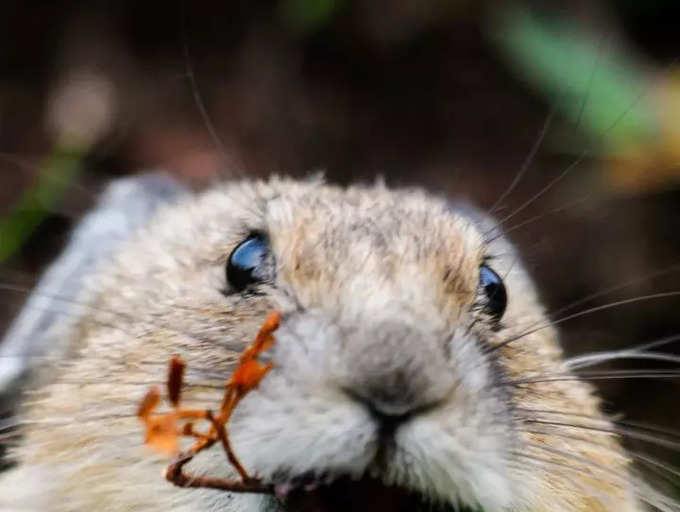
[(387, 418), (388, 423)]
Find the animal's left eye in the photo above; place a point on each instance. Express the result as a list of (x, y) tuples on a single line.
[(494, 290), (247, 263)]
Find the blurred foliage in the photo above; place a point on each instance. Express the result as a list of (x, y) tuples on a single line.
[(37, 202), (609, 94), (307, 16), (598, 88), (628, 111)]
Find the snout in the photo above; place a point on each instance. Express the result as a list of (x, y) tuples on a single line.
[(394, 368), (385, 406)]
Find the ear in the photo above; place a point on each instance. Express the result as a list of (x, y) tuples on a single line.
[(125, 205)]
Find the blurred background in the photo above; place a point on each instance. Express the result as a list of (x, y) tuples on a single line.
[(458, 96)]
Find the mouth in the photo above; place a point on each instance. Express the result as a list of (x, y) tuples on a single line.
[(363, 495)]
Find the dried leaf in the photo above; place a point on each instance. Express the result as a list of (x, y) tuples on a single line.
[(250, 372), (265, 339), (248, 375), (149, 403), (175, 380), (163, 431)]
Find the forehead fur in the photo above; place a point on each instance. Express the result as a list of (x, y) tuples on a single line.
[(330, 236), (361, 243)]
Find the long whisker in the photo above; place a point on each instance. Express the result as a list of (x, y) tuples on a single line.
[(595, 358), (584, 154), (69, 300), (589, 311), (612, 375), (545, 189), (196, 94), (538, 217), (528, 160), (650, 495), (640, 436), (26, 166), (598, 56), (668, 472), (626, 423), (646, 277), (652, 461), (640, 483), (541, 462), (544, 131), (583, 460)]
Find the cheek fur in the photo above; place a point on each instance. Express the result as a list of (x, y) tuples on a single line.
[(283, 430)]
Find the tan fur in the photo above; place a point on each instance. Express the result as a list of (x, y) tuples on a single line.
[(358, 257)]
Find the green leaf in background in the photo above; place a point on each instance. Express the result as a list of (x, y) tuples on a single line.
[(58, 172), (588, 81), (306, 16)]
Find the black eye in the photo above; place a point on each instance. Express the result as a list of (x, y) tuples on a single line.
[(494, 289), (247, 263)]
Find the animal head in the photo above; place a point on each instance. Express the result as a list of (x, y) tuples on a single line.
[(402, 367)]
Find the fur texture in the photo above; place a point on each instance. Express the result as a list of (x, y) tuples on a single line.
[(382, 312)]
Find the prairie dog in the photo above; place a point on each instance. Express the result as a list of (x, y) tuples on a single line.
[(404, 364)]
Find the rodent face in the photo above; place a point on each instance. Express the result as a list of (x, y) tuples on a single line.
[(379, 359), (385, 368)]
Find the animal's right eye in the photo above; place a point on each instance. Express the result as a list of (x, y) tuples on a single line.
[(246, 264), (494, 290)]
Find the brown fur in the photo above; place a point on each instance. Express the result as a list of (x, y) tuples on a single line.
[(359, 255)]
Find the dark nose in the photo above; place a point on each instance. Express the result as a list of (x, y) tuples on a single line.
[(387, 422), (395, 370)]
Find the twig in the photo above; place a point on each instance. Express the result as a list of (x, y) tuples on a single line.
[(163, 432)]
